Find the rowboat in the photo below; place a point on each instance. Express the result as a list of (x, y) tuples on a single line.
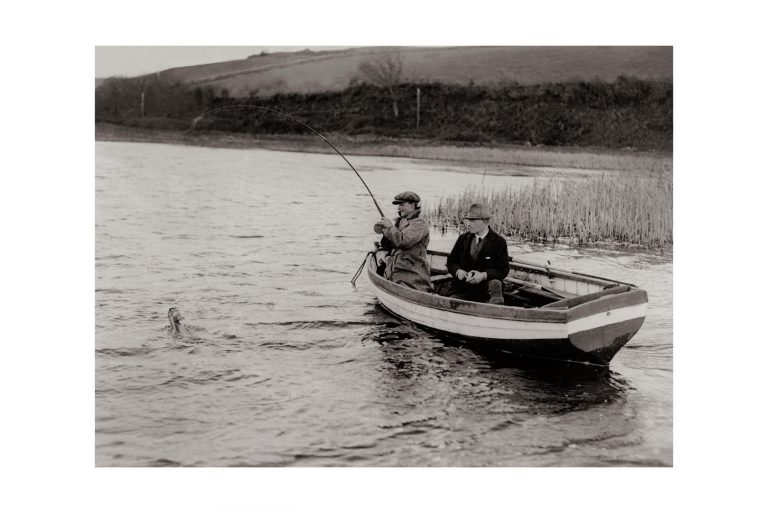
[(548, 313)]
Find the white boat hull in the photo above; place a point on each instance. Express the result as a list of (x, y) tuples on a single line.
[(590, 332)]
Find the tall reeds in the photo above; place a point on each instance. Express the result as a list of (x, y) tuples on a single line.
[(633, 209)]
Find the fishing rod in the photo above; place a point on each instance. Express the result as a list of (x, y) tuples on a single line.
[(232, 107)]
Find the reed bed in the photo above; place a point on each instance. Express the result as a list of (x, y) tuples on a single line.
[(633, 209)]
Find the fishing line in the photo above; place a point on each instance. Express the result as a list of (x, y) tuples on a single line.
[(232, 107)]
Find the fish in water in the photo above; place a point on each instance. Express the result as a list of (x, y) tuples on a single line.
[(185, 331), (174, 320), (182, 330)]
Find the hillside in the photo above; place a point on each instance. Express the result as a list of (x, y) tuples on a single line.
[(327, 71), (588, 97)]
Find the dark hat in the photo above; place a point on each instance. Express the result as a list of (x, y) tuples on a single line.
[(406, 197), (478, 211)]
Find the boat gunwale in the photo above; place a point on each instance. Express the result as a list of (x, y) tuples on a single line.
[(474, 309), (512, 313), (594, 330), (551, 271), (600, 304)]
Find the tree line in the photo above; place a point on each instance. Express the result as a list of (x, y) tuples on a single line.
[(628, 112)]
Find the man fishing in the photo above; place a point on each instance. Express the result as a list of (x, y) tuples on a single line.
[(406, 238), (479, 261)]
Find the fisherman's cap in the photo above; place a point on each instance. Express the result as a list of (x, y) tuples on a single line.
[(478, 211), (406, 197)]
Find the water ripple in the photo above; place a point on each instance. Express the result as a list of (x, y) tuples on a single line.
[(125, 352), (293, 366), (311, 324)]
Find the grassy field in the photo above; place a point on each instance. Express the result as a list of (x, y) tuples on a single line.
[(333, 70), (495, 160), (632, 209)]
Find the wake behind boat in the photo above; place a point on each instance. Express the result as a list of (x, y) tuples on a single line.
[(547, 313)]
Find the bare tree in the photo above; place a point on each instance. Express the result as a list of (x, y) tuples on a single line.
[(384, 70)]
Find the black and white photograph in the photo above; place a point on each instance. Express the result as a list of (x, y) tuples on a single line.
[(422, 256), (384, 256)]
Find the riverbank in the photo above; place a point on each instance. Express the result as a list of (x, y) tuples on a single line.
[(496, 159)]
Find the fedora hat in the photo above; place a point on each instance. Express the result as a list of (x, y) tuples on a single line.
[(478, 211)]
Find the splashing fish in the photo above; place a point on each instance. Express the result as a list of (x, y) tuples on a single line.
[(174, 320)]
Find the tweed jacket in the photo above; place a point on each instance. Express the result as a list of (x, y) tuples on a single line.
[(408, 240)]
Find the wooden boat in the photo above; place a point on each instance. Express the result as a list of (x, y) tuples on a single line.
[(548, 313)]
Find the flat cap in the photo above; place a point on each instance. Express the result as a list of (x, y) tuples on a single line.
[(406, 197)]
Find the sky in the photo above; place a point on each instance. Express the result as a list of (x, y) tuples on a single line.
[(139, 60)]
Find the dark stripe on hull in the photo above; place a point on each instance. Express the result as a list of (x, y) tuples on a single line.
[(592, 346), (602, 343), (557, 349), (595, 346)]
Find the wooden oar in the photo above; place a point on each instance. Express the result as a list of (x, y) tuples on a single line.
[(537, 286)]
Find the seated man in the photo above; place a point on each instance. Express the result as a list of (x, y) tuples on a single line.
[(479, 260), (407, 239)]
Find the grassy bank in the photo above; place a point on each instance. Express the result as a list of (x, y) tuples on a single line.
[(628, 209), (477, 157), (626, 113)]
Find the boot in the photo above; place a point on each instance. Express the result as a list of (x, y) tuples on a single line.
[(495, 292)]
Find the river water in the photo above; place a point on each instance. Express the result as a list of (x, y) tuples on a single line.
[(283, 362)]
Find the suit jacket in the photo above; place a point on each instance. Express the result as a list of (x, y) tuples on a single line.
[(492, 259)]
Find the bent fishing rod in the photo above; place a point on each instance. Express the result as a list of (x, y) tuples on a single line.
[(232, 107)]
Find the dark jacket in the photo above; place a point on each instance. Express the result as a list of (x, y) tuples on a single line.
[(492, 259), (408, 240)]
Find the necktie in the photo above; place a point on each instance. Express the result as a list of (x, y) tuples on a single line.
[(475, 249)]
